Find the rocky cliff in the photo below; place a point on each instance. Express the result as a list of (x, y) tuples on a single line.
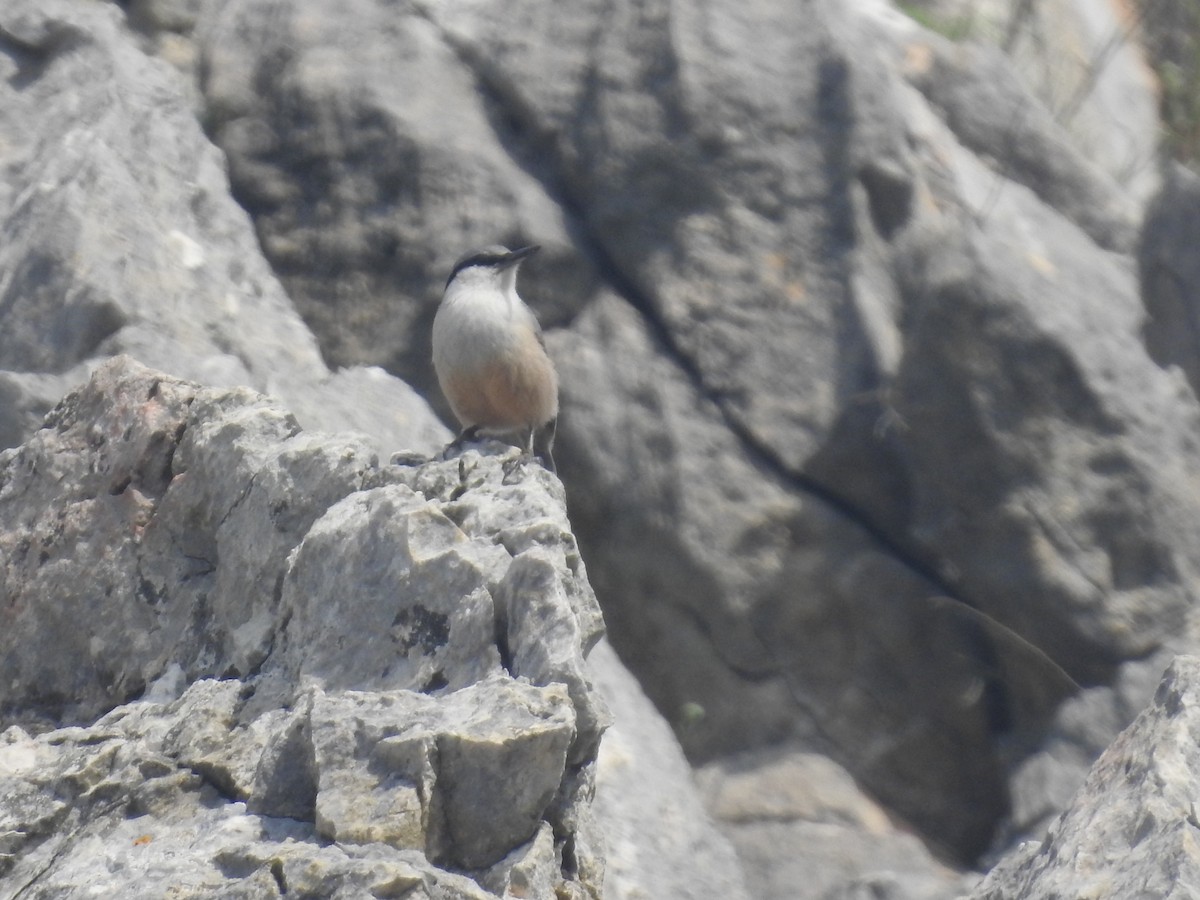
[(880, 437)]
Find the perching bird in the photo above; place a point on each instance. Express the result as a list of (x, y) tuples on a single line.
[(489, 354)]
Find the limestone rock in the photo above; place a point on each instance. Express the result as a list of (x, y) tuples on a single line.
[(446, 777), (363, 251), (869, 311), (527, 871), (106, 808), (789, 619), (546, 615), (424, 611), (642, 777), (1083, 61), (845, 844), (125, 238), (1130, 830), (333, 633), (179, 220)]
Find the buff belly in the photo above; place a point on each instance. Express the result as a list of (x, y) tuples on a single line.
[(504, 388)]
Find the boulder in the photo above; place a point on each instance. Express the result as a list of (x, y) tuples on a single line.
[(118, 234), (351, 660), (1129, 831)]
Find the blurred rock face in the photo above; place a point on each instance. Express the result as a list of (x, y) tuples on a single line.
[(868, 440)]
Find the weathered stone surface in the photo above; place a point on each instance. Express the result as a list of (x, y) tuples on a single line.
[(529, 871), (181, 506), (546, 614), (420, 614), (1050, 460), (366, 689), (438, 775), (119, 235), (176, 213), (25, 397), (355, 245), (1130, 831), (974, 457), (869, 316), (979, 97), (1082, 61), (1170, 275), (1043, 783), (106, 811), (844, 844), (788, 619), (76, 499), (642, 777)]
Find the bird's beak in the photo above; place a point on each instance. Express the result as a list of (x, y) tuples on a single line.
[(515, 256)]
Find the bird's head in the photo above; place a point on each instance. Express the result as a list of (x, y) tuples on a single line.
[(491, 266)]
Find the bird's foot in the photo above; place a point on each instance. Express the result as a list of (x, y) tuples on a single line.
[(514, 467)]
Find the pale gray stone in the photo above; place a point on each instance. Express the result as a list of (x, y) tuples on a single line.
[(125, 238), (642, 777), (440, 776), (546, 614), (1130, 831), (152, 178), (384, 589), (199, 532), (131, 824), (528, 871)]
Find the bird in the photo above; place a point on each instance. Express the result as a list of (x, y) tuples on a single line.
[(489, 354)]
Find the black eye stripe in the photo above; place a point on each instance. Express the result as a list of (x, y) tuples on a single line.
[(479, 259), (489, 256)]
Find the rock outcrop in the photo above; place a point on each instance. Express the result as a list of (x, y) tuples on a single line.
[(389, 659), (1131, 829)]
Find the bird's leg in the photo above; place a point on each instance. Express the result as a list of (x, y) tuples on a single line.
[(467, 434), (526, 449), (517, 464), (547, 449)]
